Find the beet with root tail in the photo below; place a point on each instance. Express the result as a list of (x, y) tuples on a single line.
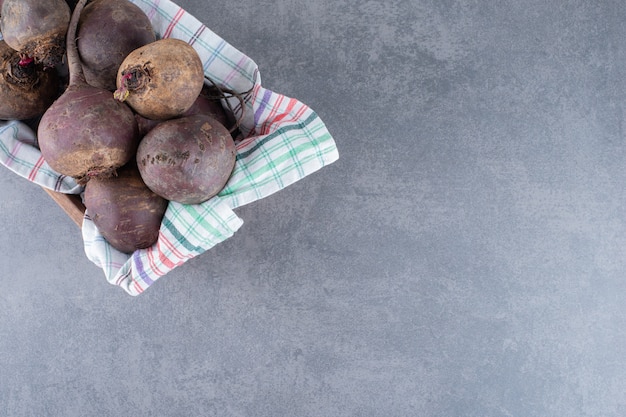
[(86, 132), (160, 80)]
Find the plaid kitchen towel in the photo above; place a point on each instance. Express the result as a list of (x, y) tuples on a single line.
[(19, 153), (282, 140)]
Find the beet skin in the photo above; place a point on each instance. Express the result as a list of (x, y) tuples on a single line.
[(124, 210), (86, 132), (188, 159), (160, 80), (108, 30)]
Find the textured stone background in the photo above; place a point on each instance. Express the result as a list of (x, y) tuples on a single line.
[(464, 257)]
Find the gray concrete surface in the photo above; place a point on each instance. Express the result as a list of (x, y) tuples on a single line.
[(466, 256)]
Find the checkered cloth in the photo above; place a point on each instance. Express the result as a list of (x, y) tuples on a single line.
[(283, 141)]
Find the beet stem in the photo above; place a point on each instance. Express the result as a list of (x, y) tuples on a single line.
[(25, 61), (77, 76), (122, 93)]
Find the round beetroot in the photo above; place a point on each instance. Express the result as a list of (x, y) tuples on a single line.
[(26, 91), (36, 28), (124, 210), (86, 132), (160, 80), (188, 159), (108, 30)]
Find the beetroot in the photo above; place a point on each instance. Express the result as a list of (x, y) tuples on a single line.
[(160, 80), (36, 28), (86, 132), (188, 159), (208, 103), (108, 30), (124, 210), (145, 125), (26, 91)]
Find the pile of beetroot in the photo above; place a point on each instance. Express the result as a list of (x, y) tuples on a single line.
[(128, 116)]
